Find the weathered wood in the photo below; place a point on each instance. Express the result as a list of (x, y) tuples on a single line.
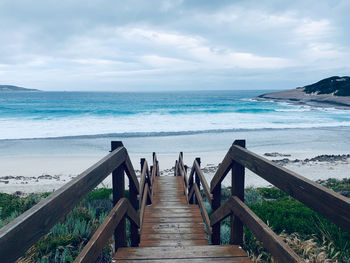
[(130, 172), (202, 235), (173, 230), (203, 181), (190, 186), (37, 221), (173, 225), (134, 229), (146, 195), (202, 252), (223, 169), (163, 219), (280, 250), (94, 247), (196, 177), (331, 205), (144, 168), (189, 260), (173, 243), (191, 193), (118, 184), (221, 213), (237, 189), (215, 204), (201, 205)]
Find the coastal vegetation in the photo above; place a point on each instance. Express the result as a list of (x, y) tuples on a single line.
[(339, 86), (310, 235)]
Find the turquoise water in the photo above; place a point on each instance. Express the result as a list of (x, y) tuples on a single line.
[(99, 114)]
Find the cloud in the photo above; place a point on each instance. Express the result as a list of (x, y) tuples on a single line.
[(75, 45)]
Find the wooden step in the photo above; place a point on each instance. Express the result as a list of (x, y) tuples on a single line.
[(179, 254)]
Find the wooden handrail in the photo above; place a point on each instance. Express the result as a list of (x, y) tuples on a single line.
[(331, 205), (93, 248), (201, 205), (38, 220), (278, 248), (144, 176), (191, 190), (203, 181), (129, 170), (146, 199), (223, 169)]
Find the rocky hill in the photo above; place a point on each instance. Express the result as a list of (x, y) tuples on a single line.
[(339, 86), (333, 90), (14, 88)]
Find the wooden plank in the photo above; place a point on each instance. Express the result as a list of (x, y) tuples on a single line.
[(179, 252), (170, 214), (173, 236), (173, 219), (118, 185), (215, 204), (237, 189), (202, 209), (93, 248), (280, 250), (187, 209), (204, 183), (221, 172), (143, 205), (152, 231), (173, 243), (174, 225), (190, 260), (220, 214), (38, 220), (130, 171), (144, 169), (331, 205)]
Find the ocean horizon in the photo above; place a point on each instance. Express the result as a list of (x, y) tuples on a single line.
[(33, 115)]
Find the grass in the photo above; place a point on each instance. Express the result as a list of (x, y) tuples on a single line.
[(310, 235)]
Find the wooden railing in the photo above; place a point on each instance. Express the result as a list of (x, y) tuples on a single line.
[(331, 205), (20, 234), (192, 189)]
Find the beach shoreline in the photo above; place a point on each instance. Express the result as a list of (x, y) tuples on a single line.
[(49, 169)]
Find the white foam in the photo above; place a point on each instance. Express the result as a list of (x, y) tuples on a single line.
[(153, 123)]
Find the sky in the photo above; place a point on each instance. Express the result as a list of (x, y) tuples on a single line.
[(154, 45)]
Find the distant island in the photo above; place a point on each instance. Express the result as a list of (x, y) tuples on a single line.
[(14, 88), (334, 90)]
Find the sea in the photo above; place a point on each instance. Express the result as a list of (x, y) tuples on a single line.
[(26, 115), (66, 132)]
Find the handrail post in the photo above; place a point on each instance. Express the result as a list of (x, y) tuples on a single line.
[(118, 182), (157, 165), (215, 204), (175, 169), (134, 229), (190, 185), (237, 189), (197, 180)]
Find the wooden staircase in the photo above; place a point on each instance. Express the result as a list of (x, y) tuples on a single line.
[(173, 231), (167, 216)]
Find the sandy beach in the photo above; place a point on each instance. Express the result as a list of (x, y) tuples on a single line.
[(47, 164)]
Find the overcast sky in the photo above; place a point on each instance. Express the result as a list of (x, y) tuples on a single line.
[(172, 45)]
